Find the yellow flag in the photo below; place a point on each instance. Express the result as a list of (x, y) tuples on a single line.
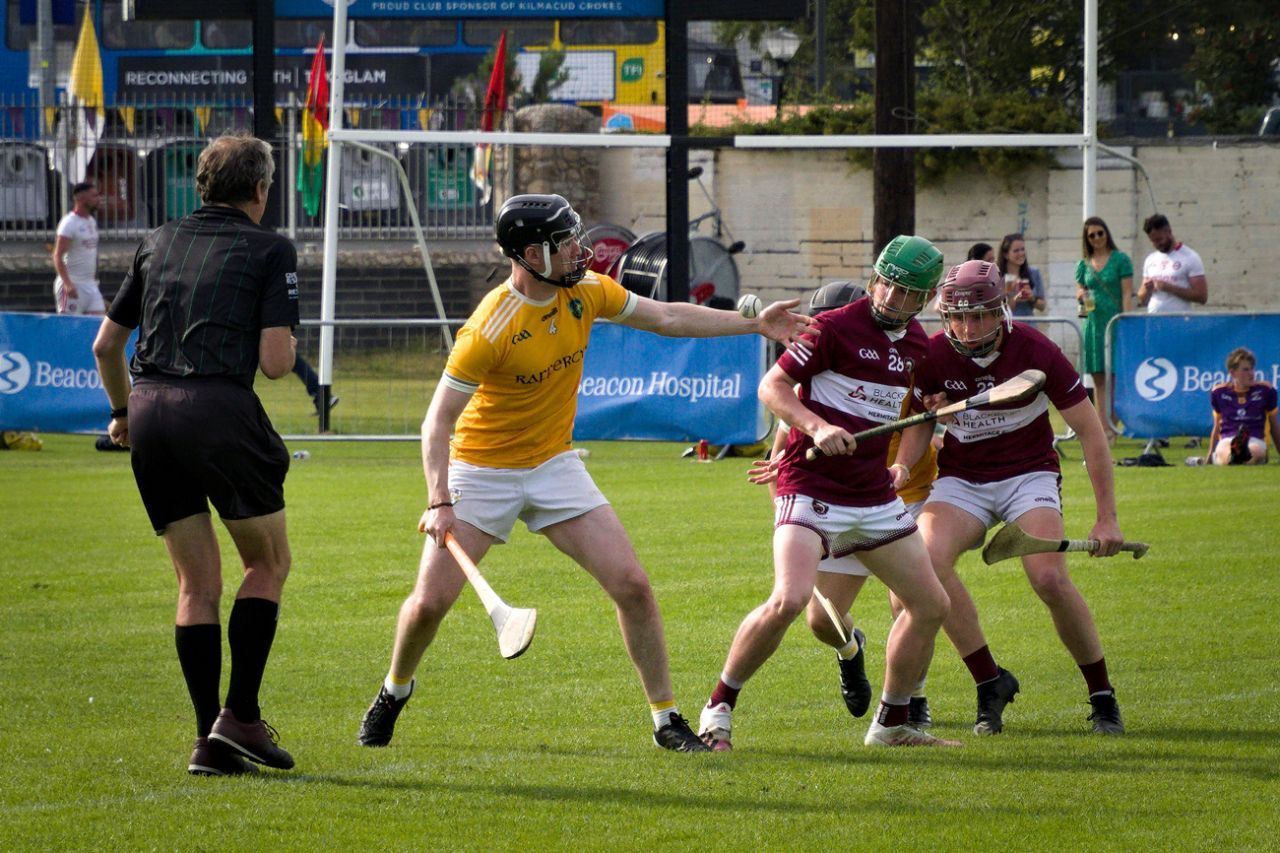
[(86, 112), (85, 84)]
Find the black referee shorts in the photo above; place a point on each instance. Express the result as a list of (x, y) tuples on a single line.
[(198, 441)]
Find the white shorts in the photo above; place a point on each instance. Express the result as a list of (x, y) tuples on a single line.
[(846, 529), (1257, 447), (1003, 500), (849, 564), (491, 499), (88, 298)]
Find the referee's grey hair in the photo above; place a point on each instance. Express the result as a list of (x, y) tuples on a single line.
[(231, 167)]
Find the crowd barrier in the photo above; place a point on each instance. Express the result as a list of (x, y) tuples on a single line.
[(638, 385), (635, 385), (1165, 364), (48, 379)]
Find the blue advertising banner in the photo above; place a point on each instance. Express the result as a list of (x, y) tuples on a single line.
[(1165, 364), (48, 379), (638, 385), (475, 8)]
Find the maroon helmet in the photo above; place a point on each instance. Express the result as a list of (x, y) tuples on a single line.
[(974, 287)]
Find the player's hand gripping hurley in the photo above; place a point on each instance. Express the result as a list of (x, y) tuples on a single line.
[(1021, 387), (514, 624), (1012, 541)]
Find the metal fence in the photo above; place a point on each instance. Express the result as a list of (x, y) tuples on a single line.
[(144, 162)]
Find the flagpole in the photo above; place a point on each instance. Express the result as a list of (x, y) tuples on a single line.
[(329, 273), (291, 166)]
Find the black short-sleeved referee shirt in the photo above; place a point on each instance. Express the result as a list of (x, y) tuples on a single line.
[(202, 288)]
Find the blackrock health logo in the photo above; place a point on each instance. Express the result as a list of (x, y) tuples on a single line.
[(1155, 379), (15, 372)]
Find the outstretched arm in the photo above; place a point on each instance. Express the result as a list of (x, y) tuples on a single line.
[(686, 320)]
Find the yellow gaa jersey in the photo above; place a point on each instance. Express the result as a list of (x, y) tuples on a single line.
[(922, 474), (521, 362)]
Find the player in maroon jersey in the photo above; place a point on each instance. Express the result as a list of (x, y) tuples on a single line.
[(998, 464), (853, 374)]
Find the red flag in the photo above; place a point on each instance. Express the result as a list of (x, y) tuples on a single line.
[(318, 88), (495, 97), (315, 123), (495, 103)]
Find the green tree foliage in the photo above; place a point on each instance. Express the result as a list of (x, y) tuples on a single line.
[(1236, 57), (1003, 54), (551, 73)]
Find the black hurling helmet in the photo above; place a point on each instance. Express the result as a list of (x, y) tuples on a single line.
[(834, 294), (548, 221)]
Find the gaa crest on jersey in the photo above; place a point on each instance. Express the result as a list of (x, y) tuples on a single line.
[(575, 308)]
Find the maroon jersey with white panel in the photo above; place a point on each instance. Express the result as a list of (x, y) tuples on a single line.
[(994, 443), (855, 375)]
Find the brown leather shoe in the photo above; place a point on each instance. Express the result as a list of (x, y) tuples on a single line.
[(216, 759), (255, 741)]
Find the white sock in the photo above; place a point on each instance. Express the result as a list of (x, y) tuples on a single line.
[(850, 649), (662, 717), (397, 690)]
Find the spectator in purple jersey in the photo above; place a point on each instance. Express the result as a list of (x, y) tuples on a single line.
[(998, 464), (1243, 410), (855, 373)]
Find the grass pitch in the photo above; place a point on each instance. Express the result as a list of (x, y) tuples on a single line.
[(552, 751)]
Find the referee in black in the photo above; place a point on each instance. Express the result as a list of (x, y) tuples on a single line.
[(214, 297)]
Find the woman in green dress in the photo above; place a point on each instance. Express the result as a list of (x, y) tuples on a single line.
[(1104, 287)]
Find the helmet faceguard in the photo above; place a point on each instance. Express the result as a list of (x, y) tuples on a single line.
[(834, 294), (548, 221), (974, 291), (908, 268)]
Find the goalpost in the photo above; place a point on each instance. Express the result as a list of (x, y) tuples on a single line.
[(1086, 140)]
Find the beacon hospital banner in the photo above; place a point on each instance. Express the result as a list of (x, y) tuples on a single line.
[(638, 385), (48, 379), (1165, 365)]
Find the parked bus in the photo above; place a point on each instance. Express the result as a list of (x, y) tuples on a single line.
[(388, 59)]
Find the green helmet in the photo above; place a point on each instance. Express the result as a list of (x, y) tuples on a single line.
[(910, 261), (912, 266)]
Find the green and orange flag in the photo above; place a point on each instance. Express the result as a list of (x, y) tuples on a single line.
[(315, 122)]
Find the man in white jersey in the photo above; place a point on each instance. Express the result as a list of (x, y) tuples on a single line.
[(75, 256), (509, 396), (1173, 279), (997, 463)]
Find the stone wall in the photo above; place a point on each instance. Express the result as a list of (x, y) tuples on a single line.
[(806, 215)]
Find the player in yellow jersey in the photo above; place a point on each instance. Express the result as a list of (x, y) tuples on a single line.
[(840, 579), (509, 396)]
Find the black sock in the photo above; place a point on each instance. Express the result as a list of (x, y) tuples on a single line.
[(200, 656), (250, 631)]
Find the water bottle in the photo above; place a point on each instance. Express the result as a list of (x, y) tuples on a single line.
[(301, 454)]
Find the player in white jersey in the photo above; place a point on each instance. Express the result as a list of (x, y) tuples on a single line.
[(75, 256), (997, 463), (1173, 277)]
